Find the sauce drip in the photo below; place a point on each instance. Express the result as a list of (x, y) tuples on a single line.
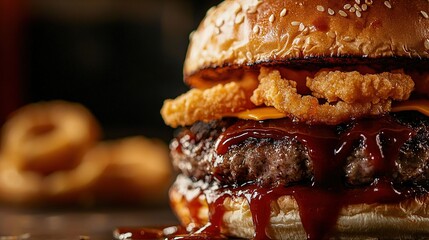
[(316, 216), (194, 206), (318, 207), (318, 210), (320, 203), (216, 210)]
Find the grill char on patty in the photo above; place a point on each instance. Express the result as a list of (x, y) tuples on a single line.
[(270, 162)]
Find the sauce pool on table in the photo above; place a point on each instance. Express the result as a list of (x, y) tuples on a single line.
[(168, 233)]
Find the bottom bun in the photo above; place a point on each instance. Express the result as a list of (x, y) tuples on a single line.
[(408, 219)]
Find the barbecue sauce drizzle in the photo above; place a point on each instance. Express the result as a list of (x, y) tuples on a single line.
[(320, 203)]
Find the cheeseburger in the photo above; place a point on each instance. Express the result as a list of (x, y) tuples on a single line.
[(306, 119)]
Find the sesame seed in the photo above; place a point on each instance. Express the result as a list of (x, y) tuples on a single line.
[(347, 6), (342, 13), (295, 23), (331, 34), (217, 30), (357, 7), (387, 3), (191, 34), (239, 19), (320, 8), (352, 9), (256, 29), (426, 43), (283, 12), (249, 55), (301, 27), (347, 39), (252, 10), (219, 22), (238, 9), (358, 14), (211, 10), (305, 31), (364, 7), (357, 1), (424, 14), (331, 12), (272, 18), (368, 2)]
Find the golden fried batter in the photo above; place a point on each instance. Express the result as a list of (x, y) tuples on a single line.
[(213, 103), (352, 87), (282, 94), (344, 96)]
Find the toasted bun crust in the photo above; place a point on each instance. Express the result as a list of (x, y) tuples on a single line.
[(248, 32), (405, 220)]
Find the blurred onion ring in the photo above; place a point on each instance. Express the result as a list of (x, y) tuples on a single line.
[(138, 169), (19, 187), (48, 136), (132, 169), (77, 185)]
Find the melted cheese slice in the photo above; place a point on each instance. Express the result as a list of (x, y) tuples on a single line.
[(258, 114), (265, 113), (421, 106)]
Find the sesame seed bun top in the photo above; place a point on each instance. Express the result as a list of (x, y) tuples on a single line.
[(251, 32)]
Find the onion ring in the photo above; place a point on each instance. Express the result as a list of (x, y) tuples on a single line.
[(138, 169), (331, 97), (132, 170), (352, 87), (48, 136), (19, 187), (213, 103), (77, 185), (282, 94)]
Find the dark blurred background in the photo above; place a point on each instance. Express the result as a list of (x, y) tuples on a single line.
[(119, 58)]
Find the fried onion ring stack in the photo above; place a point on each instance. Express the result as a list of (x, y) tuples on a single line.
[(298, 110), (51, 154)]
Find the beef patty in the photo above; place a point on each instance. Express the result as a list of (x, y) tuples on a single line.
[(286, 161)]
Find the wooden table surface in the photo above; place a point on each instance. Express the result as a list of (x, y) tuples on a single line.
[(75, 224)]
